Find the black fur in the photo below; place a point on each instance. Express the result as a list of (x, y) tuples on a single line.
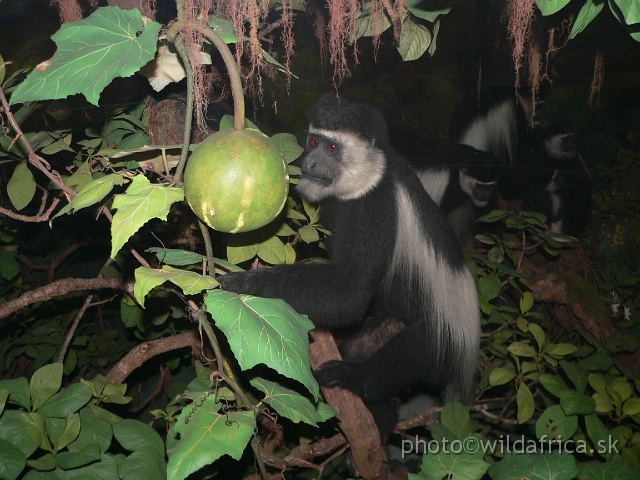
[(391, 256)]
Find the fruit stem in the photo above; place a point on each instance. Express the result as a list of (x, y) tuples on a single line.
[(230, 63)]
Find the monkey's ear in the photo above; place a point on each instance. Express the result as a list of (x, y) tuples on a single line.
[(373, 142)]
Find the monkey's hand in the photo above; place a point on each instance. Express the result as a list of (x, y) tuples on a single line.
[(347, 375), (243, 282)]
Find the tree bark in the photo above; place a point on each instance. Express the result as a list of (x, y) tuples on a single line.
[(355, 419)]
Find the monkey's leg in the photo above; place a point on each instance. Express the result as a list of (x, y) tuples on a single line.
[(407, 359)]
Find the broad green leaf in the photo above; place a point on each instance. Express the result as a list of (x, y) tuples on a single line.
[(416, 7), (621, 344), (622, 387), (142, 202), (272, 251), (549, 7), (261, 330), (630, 10), (12, 460), (588, 12), (598, 382), (290, 404), (631, 407), (94, 431), (207, 436), (144, 464), (34, 424), (224, 28), (489, 286), (600, 436), (455, 418), (12, 431), (9, 266), (526, 302), (459, 466), (598, 363), (520, 349), (18, 391), (80, 458), (494, 216), (45, 463), (500, 376), (45, 382), (131, 313), (177, 257), (93, 193), (21, 187), (308, 234), (561, 350), (242, 247), (367, 26), (547, 466), (579, 379), (4, 396), (134, 435), (613, 470), (538, 334), (69, 400), (574, 403), (288, 146), (441, 433), (70, 431), (415, 40), (110, 43), (553, 424), (191, 283), (526, 404)]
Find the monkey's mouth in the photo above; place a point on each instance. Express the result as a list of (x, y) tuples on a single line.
[(312, 178)]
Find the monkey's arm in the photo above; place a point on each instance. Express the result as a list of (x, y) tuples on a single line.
[(331, 295)]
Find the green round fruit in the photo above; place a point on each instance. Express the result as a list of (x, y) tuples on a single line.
[(236, 181)]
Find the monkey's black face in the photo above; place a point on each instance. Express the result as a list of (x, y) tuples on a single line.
[(322, 161)]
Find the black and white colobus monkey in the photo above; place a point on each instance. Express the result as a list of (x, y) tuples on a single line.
[(395, 273), (460, 179), (545, 173), (560, 184)]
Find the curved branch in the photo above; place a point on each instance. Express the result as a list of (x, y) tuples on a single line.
[(60, 287), (143, 352), (35, 159)]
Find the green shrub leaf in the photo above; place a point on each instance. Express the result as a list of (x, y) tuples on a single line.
[(526, 404), (268, 331), (21, 187), (207, 436), (90, 54), (142, 202), (291, 404), (556, 466), (553, 424), (574, 403)]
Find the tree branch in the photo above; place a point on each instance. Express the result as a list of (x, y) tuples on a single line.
[(143, 352), (57, 288)]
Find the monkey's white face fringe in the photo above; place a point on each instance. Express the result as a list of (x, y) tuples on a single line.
[(467, 183), (362, 168), (452, 304), (553, 147)]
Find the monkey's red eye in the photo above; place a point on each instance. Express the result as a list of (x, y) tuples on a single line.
[(313, 142), (332, 147)]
